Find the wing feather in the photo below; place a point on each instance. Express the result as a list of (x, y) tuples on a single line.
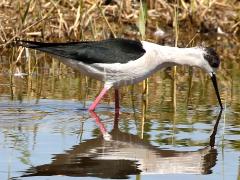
[(105, 51)]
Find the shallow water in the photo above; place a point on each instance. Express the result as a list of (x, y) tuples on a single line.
[(47, 133)]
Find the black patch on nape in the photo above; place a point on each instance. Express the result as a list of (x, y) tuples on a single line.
[(212, 57)]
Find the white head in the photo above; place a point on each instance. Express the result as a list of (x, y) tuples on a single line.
[(204, 58)]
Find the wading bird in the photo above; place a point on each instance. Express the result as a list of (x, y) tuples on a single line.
[(118, 62)]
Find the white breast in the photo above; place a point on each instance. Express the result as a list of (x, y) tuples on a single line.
[(120, 74), (129, 73)]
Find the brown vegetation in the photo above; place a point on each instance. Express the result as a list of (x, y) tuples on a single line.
[(92, 19)]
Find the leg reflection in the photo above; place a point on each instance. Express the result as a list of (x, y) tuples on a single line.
[(106, 135)]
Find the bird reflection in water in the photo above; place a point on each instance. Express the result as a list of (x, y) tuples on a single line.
[(118, 154)]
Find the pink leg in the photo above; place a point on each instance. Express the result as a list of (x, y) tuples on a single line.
[(116, 118), (117, 107), (97, 100)]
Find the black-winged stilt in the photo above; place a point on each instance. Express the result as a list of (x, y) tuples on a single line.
[(119, 62)]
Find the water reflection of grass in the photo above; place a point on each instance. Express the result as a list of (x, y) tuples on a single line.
[(49, 78)]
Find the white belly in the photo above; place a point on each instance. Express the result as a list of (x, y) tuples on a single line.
[(117, 74)]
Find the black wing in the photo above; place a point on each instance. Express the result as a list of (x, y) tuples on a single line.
[(105, 51)]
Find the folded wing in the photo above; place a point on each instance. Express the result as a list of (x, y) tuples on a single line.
[(105, 51)]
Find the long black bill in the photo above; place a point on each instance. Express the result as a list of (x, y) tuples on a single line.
[(214, 81)]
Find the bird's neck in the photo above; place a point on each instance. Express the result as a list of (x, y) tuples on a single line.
[(169, 56), (181, 56)]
